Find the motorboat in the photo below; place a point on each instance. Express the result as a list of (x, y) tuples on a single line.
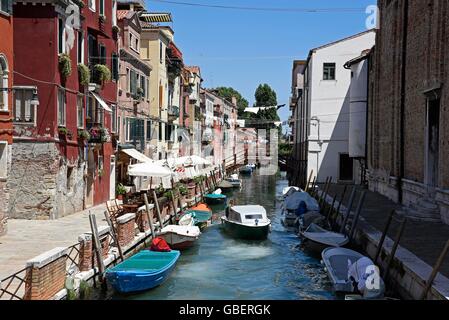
[(215, 198), (287, 191), (143, 271), (247, 170), (247, 222), (350, 271), (317, 238), (202, 215), (234, 180), (180, 237)]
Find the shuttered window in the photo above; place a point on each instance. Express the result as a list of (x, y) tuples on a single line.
[(133, 84), (114, 67)]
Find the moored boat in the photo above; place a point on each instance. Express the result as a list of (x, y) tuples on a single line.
[(247, 222), (180, 237), (246, 170), (318, 238), (213, 198), (201, 214), (143, 271), (234, 180)]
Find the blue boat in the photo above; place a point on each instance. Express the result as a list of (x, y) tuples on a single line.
[(213, 198), (247, 170), (143, 271)]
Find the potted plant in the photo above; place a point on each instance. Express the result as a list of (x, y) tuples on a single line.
[(84, 74), (83, 134), (115, 29), (65, 65), (102, 73), (62, 131), (120, 190)]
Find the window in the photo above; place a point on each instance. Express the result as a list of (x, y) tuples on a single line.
[(99, 115), (6, 6), (329, 71), (119, 122), (134, 132), (91, 111), (160, 52), (101, 11), (130, 43), (128, 81), (80, 111), (136, 44), (114, 70), (114, 118), (253, 216), (80, 47), (92, 49), (3, 84), (168, 132), (143, 82), (61, 107), (161, 125), (92, 5), (114, 12), (133, 82), (24, 112), (61, 43), (148, 89), (149, 130), (346, 167), (102, 54)]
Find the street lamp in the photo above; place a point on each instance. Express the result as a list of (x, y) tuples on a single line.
[(34, 100)]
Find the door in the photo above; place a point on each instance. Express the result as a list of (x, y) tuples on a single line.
[(90, 179), (346, 171), (112, 179), (433, 142)]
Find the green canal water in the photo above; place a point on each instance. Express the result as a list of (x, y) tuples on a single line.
[(220, 267)]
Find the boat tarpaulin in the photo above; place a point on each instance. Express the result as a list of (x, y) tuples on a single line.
[(293, 201)]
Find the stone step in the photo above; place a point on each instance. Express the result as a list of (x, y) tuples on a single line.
[(426, 210), (428, 204), (419, 215)]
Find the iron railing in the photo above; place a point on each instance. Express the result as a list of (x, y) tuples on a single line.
[(13, 287)]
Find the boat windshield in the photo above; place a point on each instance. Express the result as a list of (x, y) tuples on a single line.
[(253, 216)]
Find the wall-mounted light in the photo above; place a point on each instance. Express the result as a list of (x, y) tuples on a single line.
[(34, 100)]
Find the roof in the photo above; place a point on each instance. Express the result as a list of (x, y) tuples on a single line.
[(121, 14), (156, 17), (193, 69), (363, 56), (249, 209)]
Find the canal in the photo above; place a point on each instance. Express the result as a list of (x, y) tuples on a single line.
[(220, 267)]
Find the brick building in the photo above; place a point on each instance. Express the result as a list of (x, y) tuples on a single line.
[(63, 148), (408, 118), (6, 102)]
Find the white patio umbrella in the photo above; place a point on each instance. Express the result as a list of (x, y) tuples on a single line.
[(147, 169)]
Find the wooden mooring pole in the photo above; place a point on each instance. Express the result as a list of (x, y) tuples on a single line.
[(435, 270), (114, 235), (348, 210), (150, 218), (158, 211), (312, 189), (357, 215), (97, 245), (394, 249), (384, 235), (306, 188)]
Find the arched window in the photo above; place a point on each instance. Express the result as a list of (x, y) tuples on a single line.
[(3, 83)]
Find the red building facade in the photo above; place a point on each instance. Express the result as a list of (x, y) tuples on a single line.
[(6, 100), (63, 150)]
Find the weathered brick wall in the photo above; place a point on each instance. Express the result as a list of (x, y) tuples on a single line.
[(46, 275), (38, 183), (87, 257), (426, 68), (125, 229)]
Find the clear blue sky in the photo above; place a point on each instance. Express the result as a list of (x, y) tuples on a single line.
[(242, 49)]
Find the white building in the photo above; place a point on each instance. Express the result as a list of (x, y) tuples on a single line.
[(327, 112)]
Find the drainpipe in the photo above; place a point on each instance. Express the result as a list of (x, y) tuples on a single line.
[(402, 106)]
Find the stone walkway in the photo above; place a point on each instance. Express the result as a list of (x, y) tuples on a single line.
[(424, 239), (29, 238)]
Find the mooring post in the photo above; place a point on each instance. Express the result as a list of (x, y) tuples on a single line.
[(97, 245), (312, 189), (357, 215), (320, 200), (150, 218), (114, 235), (348, 210), (342, 198), (331, 209), (384, 235), (326, 190), (435, 270), (306, 188), (393, 250), (158, 210)]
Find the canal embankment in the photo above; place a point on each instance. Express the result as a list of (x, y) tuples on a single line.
[(418, 249)]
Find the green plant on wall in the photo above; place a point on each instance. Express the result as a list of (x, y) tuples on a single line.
[(65, 65), (183, 190), (120, 189), (84, 74), (102, 73), (167, 195)]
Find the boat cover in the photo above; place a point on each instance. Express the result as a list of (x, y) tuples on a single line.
[(293, 201), (288, 191), (189, 231), (159, 245), (364, 273)]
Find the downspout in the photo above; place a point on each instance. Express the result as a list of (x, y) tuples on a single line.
[(402, 106)]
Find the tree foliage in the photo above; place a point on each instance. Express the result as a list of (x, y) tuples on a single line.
[(227, 93), (265, 96)]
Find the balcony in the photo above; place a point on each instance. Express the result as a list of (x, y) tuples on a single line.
[(173, 113)]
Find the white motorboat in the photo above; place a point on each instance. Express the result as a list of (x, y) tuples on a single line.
[(187, 220), (247, 222), (180, 237), (343, 264), (234, 180)]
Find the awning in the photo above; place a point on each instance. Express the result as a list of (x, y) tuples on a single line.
[(101, 102), (137, 155), (156, 17)]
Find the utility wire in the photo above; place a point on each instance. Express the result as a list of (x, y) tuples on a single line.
[(269, 9)]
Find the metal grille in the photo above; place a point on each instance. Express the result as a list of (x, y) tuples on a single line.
[(13, 287)]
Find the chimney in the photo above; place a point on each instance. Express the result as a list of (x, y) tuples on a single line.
[(234, 100)]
